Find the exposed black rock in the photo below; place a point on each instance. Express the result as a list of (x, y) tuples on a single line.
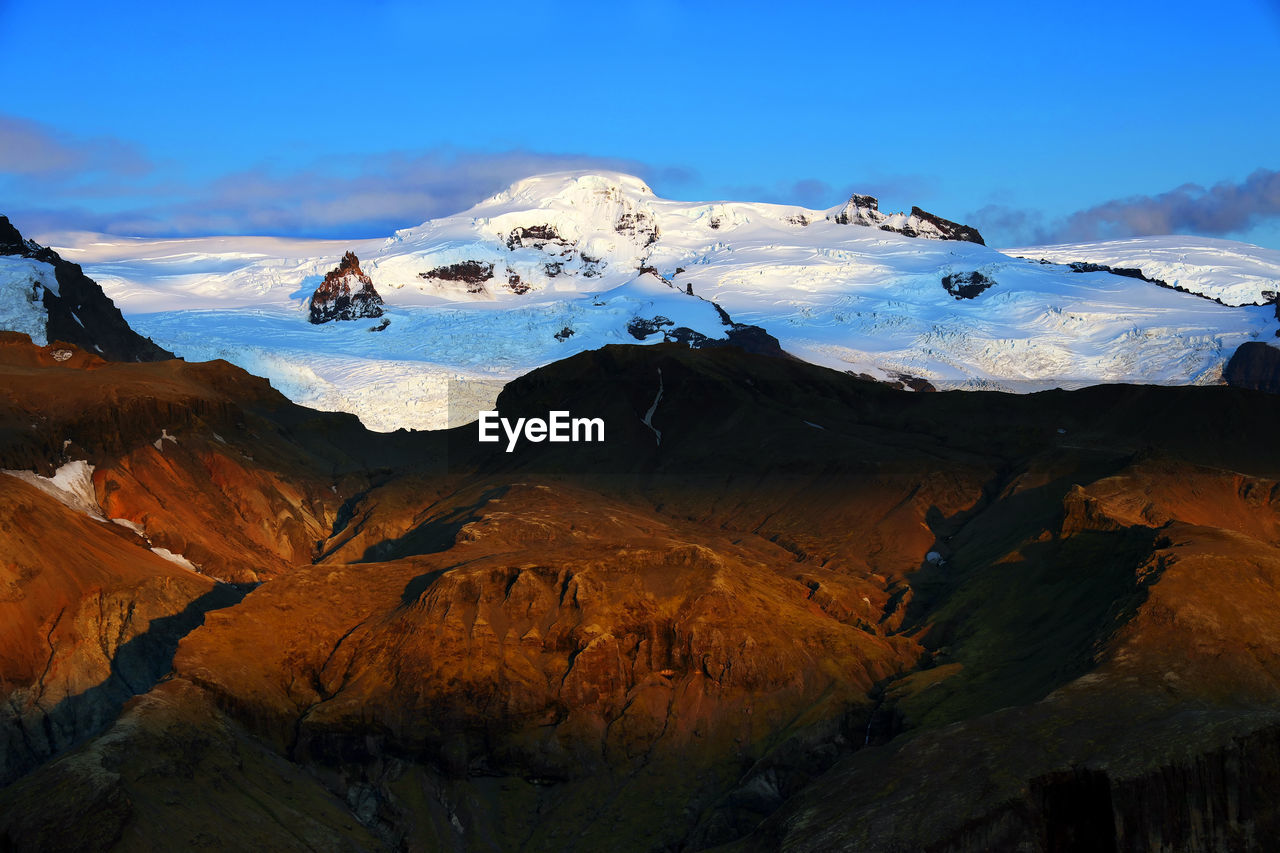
[(471, 273), (639, 225), (1128, 272), (857, 203), (865, 210), (752, 339), (915, 383), (381, 326), (345, 294), (1254, 365), (592, 267), (515, 285), (967, 285), (80, 313), (535, 237), (552, 268), (564, 334), (685, 335), (948, 229), (653, 271), (640, 328)]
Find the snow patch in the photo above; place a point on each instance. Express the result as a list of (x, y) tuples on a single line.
[(131, 525), (176, 559), (71, 485)]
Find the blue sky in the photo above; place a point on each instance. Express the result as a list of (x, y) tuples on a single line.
[(1030, 120)]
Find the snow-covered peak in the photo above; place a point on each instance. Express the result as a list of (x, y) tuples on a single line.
[(570, 188), (574, 260), (865, 210)]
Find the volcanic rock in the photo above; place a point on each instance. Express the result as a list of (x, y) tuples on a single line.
[(1254, 365), (865, 210), (345, 294), (967, 285), (78, 312), (778, 608), (535, 237)]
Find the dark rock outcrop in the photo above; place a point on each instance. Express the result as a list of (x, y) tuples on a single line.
[(1127, 272), (967, 285), (345, 294), (592, 267), (80, 313), (938, 228), (640, 328), (534, 237), (469, 272), (515, 285), (1254, 365), (638, 225), (865, 210), (752, 339)]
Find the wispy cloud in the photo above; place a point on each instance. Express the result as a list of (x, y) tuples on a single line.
[(30, 150), (1222, 209), (900, 190), (50, 183)]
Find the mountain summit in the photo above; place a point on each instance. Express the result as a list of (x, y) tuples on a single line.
[(345, 294), (570, 261), (51, 299)]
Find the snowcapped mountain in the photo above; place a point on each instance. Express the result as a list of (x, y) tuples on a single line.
[(571, 261)]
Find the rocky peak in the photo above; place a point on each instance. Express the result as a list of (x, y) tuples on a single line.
[(73, 307), (865, 210), (346, 293), (11, 242)]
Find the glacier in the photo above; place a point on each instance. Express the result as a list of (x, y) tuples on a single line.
[(590, 252)]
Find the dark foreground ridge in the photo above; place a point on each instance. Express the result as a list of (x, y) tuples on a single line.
[(1254, 365), (778, 607)]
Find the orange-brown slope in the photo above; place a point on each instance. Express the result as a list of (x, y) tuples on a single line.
[(651, 643), (204, 459), (88, 617), (566, 637), (96, 586), (1163, 733)]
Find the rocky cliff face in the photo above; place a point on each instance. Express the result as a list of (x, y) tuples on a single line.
[(345, 294), (865, 210), (77, 311)]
